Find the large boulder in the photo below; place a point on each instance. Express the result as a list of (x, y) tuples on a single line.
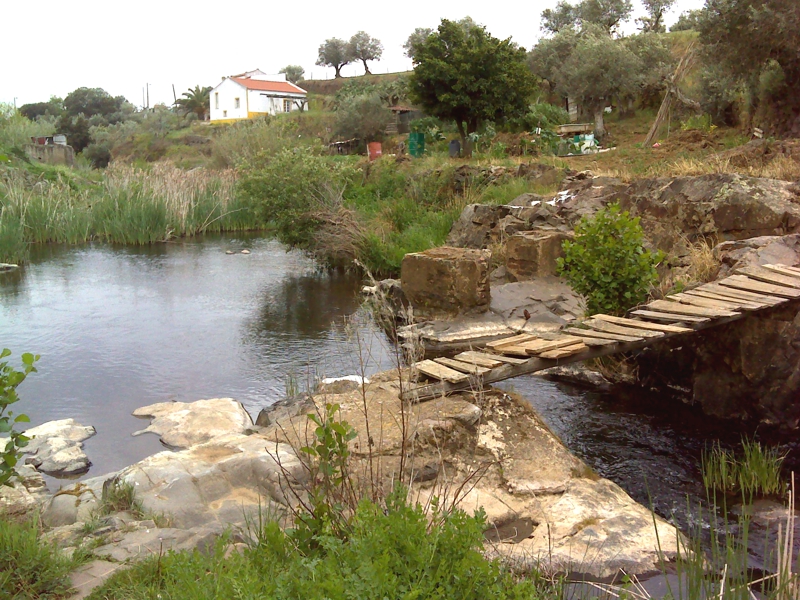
[(446, 282), (185, 424), (753, 252), (56, 447), (534, 254)]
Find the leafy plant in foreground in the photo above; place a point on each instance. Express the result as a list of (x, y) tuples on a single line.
[(607, 262), (10, 378)]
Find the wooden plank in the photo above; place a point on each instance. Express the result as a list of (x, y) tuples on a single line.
[(493, 358), (479, 358), (602, 335), (745, 304), (564, 352), (669, 317), (600, 325), (511, 341), (514, 350), (636, 324), (461, 367), (740, 282), (769, 276), (589, 341), (741, 294), (683, 309), (436, 371), (704, 302), (782, 269), (786, 269), (538, 346)]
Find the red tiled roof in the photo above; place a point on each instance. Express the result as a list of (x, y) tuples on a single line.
[(269, 86)]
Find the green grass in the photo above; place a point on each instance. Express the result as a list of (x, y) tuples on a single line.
[(30, 567), (756, 471), (390, 552)]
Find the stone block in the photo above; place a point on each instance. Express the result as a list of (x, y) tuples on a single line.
[(533, 254), (447, 281)]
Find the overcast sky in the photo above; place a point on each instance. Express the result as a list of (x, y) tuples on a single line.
[(53, 46)]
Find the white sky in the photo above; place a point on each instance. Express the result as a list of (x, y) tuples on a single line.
[(122, 46)]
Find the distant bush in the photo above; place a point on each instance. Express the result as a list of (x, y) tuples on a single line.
[(364, 117), (607, 262), (16, 130), (242, 142), (544, 116), (699, 122)]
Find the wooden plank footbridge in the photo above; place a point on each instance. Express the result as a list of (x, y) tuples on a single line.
[(750, 289)]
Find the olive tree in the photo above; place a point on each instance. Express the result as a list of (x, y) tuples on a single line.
[(608, 14), (463, 74), (294, 73), (334, 53), (364, 47), (364, 117), (654, 21), (419, 35)]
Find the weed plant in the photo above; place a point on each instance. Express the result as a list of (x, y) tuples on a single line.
[(30, 567), (755, 472)]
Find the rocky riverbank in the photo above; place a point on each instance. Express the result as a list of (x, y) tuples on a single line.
[(486, 450)]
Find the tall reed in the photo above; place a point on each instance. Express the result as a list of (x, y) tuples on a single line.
[(756, 472)]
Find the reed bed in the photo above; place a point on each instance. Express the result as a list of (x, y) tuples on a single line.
[(129, 206), (755, 472)]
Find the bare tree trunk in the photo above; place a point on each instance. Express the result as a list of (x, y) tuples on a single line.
[(463, 135), (599, 125), (366, 68), (338, 71)]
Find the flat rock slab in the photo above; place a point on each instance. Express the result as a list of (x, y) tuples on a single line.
[(91, 575), (144, 543), (184, 424), (56, 447)]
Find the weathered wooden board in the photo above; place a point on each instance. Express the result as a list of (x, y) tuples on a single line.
[(741, 282), (769, 276), (706, 302), (591, 333), (472, 355), (479, 358), (636, 324), (564, 352), (742, 294), (745, 304), (461, 367), (683, 309), (784, 270), (511, 341), (538, 346), (589, 341), (436, 371), (513, 350), (669, 317), (600, 325)]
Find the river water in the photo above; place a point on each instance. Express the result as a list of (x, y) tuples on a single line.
[(121, 327)]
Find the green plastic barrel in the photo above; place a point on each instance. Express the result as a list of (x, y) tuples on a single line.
[(416, 144)]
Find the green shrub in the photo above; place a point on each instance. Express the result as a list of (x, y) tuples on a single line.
[(607, 262), (544, 116), (30, 567), (699, 122), (10, 379)]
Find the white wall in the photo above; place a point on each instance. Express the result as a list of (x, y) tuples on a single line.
[(228, 91), (266, 104)]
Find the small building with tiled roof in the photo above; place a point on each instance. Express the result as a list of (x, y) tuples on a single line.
[(254, 93)]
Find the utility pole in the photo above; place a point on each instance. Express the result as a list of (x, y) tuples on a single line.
[(143, 107), (148, 95), (174, 95)]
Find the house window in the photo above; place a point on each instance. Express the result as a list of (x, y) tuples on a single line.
[(216, 100), (224, 113), (287, 106), (236, 103)]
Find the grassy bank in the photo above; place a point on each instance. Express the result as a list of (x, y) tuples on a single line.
[(124, 205)]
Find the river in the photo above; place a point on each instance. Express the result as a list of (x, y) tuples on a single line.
[(120, 327)]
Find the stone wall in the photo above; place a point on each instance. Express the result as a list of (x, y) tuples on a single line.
[(51, 154)]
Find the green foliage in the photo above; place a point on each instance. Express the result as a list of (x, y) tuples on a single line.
[(607, 262), (16, 130), (364, 47), (542, 115), (294, 73), (688, 20), (284, 191), (35, 110), (94, 101), (698, 122), (364, 117), (240, 143), (756, 472), (608, 14), (334, 53), (719, 91), (120, 496), (462, 73), (31, 568), (196, 101), (654, 21), (10, 379)]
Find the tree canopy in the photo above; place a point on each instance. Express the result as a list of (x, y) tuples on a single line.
[(654, 21), (419, 35), (364, 47), (334, 53), (462, 73), (608, 14), (294, 73), (92, 101), (53, 108), (197, 101)]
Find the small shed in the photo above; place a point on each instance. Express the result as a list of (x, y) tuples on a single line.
[(403, 115)]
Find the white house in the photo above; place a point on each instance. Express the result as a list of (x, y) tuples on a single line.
[(254, 93)]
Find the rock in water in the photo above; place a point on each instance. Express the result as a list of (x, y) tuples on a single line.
[(185, 424), (56, 447)]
